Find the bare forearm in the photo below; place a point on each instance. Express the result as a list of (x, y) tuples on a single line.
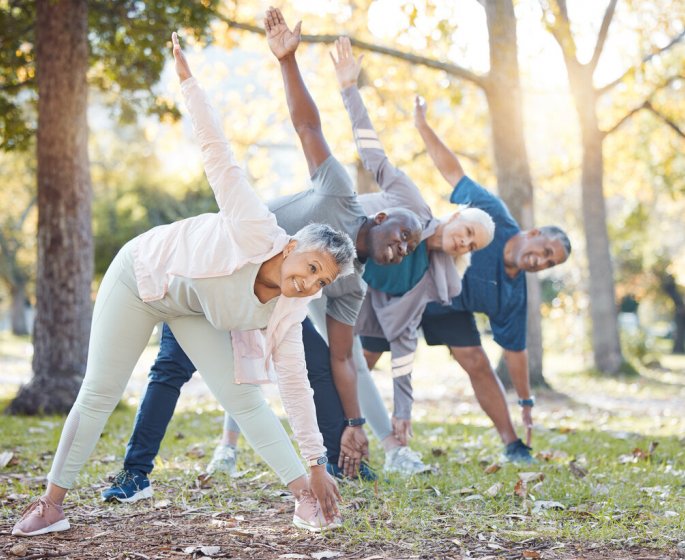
[(303, 110), (443, 158), (517, 364), (345, 380)]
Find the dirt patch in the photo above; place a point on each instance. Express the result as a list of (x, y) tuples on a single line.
[(168, 532)]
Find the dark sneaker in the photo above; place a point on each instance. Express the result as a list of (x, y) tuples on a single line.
[(42, 516), (366, 473), (128, 486), (519, 452)]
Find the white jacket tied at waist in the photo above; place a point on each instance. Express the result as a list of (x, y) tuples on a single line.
[(210, 245)]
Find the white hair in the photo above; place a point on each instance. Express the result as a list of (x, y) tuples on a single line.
[(323, 238), (475, 216)]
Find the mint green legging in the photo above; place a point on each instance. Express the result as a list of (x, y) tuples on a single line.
[(121, 327)]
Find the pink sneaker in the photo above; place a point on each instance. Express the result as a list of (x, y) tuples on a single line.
[(42, 516), (308, 514)]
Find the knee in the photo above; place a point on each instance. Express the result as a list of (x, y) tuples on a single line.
[(473, 359), (171, 372)]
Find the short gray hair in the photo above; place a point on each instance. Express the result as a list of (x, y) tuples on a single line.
[(323, 238), (553, 232)]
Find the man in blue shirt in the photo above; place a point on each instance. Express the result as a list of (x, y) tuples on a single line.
[(494, 284)]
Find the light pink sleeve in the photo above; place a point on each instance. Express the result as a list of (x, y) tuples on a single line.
[(296, 393), (245, 217)]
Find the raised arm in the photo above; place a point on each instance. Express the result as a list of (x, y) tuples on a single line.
[(444, 159), (303, 112), (235, 197), (398, 189)]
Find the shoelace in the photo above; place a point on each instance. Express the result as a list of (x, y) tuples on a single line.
[(41, 505), (307, 497), (122, 477)]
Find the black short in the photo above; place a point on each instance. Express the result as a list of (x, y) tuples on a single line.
[(455, 328)]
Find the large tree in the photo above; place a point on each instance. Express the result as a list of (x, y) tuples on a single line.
[(58, 41), (606, 345)]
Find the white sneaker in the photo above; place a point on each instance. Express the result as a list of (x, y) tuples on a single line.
[(404, 461), (223, 460)]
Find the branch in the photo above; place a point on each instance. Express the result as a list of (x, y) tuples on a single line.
[(625, 118), (451, 69), (647, 104), (603, 32), (669, 122), (605, 88)]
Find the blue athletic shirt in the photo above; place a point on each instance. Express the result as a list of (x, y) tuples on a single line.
[(398, 279), (486, 288)]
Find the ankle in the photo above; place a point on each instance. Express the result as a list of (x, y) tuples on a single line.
[(390, 443)]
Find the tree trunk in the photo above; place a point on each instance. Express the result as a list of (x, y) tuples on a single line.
[(669, 286), (19, 322), (606, 345), (65, 248), (503, 92)]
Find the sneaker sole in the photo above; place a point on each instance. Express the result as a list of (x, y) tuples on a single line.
[(302, 524), (61, 525), (143, 494)]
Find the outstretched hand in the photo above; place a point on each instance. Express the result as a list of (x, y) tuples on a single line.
[(420, 109), (347, 68), (282, 41), (182, 67)]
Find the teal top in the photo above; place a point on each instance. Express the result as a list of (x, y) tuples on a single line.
[(398, 279)]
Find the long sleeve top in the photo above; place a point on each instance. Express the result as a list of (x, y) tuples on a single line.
[(214, 245), (397, 317)]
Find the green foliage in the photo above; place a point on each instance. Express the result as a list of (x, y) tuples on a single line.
[(128, 48)]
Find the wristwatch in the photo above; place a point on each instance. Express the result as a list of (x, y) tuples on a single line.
[(317, 461), (355, 421), (527, 402)]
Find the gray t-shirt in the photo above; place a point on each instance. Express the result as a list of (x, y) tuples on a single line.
[(332, 200), (228, 302)]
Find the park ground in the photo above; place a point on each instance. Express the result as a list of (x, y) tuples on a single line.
[(610, 482)]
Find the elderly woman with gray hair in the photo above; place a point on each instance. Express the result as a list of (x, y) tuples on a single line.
[(234, 289)]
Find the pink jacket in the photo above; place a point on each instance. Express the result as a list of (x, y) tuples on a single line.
[(243, 231)]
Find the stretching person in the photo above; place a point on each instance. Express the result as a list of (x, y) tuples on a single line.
[(236, 270), (494, 284), (386, 237), (397, 295)]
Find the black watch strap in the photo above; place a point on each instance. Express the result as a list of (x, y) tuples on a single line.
[(355, 421)]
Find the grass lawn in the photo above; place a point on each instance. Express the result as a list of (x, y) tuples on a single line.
[(610, 483)]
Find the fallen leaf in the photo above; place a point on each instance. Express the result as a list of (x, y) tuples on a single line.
[(653, 446), (437, 492), (195, 451), (531, 554), (5, 458), (295, 556), (162, 504), (325, 554), (210, 550), (473, 497), (494, 489), (438, 452), (577, 470), (493, 468), (521, 488), (531, 476), (543, 505), (466, 490), (19, 549), (179, 435)]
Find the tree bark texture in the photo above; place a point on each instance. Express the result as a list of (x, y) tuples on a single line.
[(606, 345), (505, 101), (65, 246)]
